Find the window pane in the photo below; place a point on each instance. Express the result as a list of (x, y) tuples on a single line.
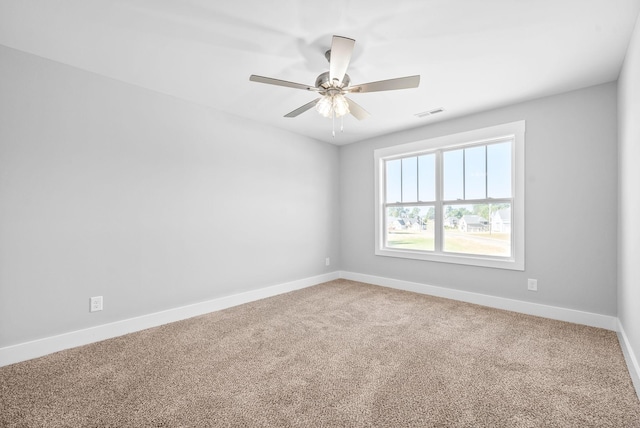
[(410, 228), (394, 182), (499, 170), (452, 174), (475, 177), (410, 179), (482, 229), (427, 178)]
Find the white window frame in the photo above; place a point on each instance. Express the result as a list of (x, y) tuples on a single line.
[(514, 131)]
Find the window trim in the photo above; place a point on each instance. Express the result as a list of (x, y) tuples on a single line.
[(514, 130)]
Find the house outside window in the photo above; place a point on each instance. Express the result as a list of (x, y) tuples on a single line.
[(454, 199)]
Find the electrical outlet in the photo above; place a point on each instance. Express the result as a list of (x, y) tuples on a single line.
[(95, 304), (327, 261), (532, 284)]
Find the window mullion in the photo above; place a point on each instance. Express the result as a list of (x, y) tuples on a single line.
[(438, 227), (464, 175), (486, 172), (417, 179), (401, 181)]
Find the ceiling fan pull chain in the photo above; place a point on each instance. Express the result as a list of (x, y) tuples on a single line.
[(341, 124), (333, 125)]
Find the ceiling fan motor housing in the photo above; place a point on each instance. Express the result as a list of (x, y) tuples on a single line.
[(324, 81)]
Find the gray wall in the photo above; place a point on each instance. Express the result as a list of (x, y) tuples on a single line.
[(109, 189), (629, 200), (571, 205)]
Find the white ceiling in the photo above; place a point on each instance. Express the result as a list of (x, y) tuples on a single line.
[(472, 55)]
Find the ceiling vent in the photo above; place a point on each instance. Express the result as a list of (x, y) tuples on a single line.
[(430, 112)]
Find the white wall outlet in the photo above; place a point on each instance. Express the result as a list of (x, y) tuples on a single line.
[(532, 284), (96, 304), (327, 261)]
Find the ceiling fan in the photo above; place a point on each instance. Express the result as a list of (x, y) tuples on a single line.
[(332, 86)]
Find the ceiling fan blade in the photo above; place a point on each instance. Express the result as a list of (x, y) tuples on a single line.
[(302, 109), (278, 82), (341, 50), (357, 111), (386, 85)]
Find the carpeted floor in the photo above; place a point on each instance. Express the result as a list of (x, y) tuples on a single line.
[(337, 354)]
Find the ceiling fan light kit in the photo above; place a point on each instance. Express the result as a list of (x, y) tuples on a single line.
[(332, 86), (332, 105)]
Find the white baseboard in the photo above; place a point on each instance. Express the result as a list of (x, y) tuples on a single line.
[(630, 358), (37, 348), (553, 312)]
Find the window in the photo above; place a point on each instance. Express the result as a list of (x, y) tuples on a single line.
[(454, 199)]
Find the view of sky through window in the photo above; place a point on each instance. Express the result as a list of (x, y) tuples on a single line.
[(479, 172)]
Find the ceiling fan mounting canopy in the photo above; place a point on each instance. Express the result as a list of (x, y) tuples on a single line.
[(327, 55), (334, 84)]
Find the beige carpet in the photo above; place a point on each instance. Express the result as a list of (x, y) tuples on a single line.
[(337, 354)]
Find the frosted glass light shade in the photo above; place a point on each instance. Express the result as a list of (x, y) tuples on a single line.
[(340, 105), (333, 105), (324, 106)]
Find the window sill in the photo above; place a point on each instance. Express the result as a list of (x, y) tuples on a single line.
[(460, 259)]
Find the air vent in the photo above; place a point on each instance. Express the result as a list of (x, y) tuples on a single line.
[(430, 112)]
